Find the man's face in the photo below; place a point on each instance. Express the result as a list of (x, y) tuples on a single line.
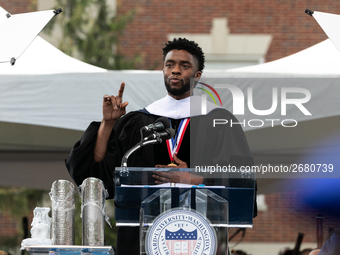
[(179, 67)]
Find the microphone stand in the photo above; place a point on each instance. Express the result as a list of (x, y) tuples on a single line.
[(125, 172)]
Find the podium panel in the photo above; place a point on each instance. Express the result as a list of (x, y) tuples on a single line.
[(134, 185)]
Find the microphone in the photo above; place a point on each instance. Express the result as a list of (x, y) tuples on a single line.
[(165, 134), (156, 138), (160, 124)]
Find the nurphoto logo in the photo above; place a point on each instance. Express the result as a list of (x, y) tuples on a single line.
[(256, 113)]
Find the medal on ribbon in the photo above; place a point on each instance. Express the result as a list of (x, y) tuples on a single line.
[(174, 144)]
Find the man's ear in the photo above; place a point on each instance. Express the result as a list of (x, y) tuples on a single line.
[(198, 75)]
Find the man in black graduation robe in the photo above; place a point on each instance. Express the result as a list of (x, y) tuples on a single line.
[(103, 145)]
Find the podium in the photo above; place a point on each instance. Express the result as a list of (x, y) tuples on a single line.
[(224, 199)]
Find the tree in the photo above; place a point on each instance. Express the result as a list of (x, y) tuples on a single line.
[(18, 203), (91, 32)]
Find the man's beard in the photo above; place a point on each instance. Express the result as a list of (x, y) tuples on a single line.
[(177, 92)]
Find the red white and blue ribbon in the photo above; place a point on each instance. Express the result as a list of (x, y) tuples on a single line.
[(174, 144)]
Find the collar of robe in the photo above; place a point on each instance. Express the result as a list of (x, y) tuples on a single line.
[(179, 109)]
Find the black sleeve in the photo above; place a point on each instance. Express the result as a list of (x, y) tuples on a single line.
[(81, 165)]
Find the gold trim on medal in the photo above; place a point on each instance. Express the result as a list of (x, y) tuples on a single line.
[(172, 164)]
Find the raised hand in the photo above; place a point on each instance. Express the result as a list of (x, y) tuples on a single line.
[(113, 108)]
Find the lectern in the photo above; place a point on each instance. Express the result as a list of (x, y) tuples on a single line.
[(224, 199)]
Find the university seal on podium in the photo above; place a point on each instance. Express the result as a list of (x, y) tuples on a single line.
[(180, 231)]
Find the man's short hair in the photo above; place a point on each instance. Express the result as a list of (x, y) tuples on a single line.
[(189, 46)]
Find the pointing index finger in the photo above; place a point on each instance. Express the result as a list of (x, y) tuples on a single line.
[(121, 90)]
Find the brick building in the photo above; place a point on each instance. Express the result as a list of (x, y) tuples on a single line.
[(280, 27), (291, 29), (18, 6)]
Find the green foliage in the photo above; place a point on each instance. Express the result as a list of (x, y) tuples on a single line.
[(20, 202), (91, 32), (7, 243), (11, 245)]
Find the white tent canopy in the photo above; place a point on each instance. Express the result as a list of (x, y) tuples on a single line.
[(39, 56), (49, 88), (19, 31), (322, 59), (43, 58), (72, 84), (330, 24)]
